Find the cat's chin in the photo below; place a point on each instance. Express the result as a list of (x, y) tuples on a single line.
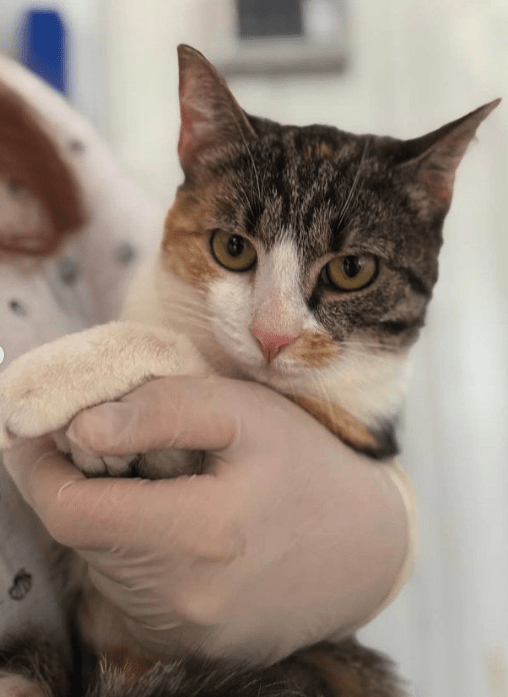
[(279, 375)]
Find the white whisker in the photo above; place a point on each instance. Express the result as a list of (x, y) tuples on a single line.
[(251, 158), (322, 391), (349, 200), (365, 344)]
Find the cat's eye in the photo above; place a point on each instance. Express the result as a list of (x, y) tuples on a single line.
[(351, 271), (234, 252)]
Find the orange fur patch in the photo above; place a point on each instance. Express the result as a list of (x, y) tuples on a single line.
[(185, 241), (315, 349), (324, 150), (339, 421), (343, 680), (317, 150), (131, 665)]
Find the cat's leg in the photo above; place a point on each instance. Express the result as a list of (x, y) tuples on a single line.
[(43, 390)]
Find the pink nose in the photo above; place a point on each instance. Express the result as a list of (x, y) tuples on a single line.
[(271, 344)]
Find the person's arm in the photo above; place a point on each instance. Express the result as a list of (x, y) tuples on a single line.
[(289, 538)]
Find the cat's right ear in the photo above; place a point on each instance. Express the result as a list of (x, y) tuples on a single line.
[(210, 115)]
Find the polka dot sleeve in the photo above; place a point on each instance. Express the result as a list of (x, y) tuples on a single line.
[(73, 227)]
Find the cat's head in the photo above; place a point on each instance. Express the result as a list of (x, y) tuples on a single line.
[(316, 250)]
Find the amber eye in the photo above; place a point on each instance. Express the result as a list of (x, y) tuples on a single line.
[(351, 271), (234, 252)]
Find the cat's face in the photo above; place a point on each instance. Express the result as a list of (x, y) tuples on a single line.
[(315, 250), (307, 236)]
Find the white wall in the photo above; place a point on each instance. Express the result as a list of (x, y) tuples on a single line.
[(85, 55), (140, 44)]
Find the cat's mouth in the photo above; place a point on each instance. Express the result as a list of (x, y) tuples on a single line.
[(279, 373), (277, 366)]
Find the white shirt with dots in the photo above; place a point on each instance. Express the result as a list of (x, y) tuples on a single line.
[(44, 298)]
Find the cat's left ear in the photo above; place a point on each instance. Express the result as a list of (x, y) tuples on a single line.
[(435, 157), (210, 115)]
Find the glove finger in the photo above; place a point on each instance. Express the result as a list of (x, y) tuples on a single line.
[(119, 516), (179, 412), (26, 464)]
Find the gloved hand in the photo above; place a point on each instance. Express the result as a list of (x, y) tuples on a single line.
[(289, 538)]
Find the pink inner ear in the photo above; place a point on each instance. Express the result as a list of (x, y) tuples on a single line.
[(188, 116), (438, 174), (194, 129), (187, 133), (439, 185)]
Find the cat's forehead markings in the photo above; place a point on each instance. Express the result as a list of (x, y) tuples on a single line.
[(315, 151)]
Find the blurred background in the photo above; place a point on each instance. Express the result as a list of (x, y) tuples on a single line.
[(398, 67)]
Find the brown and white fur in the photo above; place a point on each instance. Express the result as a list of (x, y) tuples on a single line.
[(300, 198)]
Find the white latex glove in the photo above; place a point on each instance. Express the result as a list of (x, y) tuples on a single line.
[(290, 537)]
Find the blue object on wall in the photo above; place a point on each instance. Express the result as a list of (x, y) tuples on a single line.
[(44, 46)]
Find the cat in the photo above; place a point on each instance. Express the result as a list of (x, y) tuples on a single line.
[(303, 258)]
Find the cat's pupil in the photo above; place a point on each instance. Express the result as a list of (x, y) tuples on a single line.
[(352, 266), (235, 245)]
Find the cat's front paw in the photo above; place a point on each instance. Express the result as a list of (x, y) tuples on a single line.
[(43, 390)]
